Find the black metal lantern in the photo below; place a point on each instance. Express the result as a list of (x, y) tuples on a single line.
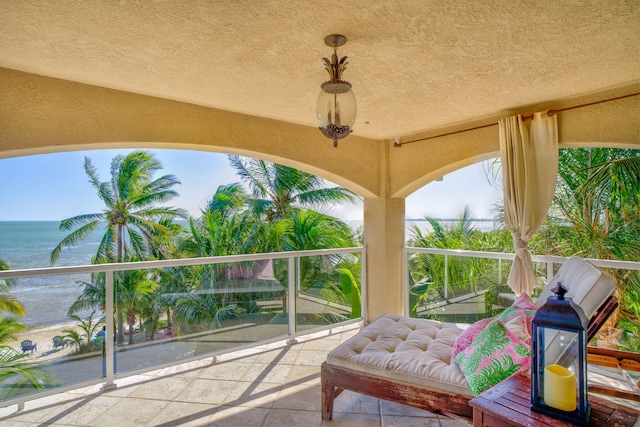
[(559, 366)]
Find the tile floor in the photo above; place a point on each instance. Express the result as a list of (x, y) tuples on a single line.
[(274, 385)]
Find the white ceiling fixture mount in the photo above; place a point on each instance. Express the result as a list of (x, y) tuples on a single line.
[(336, 107)]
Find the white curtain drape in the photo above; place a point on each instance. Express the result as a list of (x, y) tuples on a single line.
[(529, 152)]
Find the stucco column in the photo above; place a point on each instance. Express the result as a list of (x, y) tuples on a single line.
[(384, 241)]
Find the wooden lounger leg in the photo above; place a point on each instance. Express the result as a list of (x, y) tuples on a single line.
[(328, 394)]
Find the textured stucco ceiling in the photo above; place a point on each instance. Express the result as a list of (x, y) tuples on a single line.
[(414, 65)]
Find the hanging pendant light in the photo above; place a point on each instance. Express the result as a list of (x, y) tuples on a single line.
[(336, 107)]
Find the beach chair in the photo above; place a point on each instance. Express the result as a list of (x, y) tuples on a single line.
[(409, 361), (27, 345), (58, 341)]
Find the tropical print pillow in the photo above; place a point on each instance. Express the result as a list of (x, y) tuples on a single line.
[(522, 306), (516, 317), (496, 354), (468, 335)]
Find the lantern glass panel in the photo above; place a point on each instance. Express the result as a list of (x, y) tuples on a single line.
[(557, 368)]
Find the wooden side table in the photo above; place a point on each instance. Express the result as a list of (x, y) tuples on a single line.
[(508, 404)]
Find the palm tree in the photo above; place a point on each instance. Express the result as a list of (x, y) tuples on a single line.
[(132, 214), (465, 275), (226, 227), (93, 295), (131, 198), (596, 209), (82, 341), (313, 230), (132, 292), (276, 189), (596, 214), (287, 199), (310, 230)]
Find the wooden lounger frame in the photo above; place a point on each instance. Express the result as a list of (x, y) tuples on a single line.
[(335, 379)]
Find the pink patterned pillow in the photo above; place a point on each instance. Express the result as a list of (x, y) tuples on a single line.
[(523, 307), (468, 335), (493, 356), (525, 302)]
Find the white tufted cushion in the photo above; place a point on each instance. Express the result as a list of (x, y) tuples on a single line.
[(416, 351), (588, 286)]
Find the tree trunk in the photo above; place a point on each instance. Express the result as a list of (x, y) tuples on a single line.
[(132, 330), (131, 321), (120, 334)]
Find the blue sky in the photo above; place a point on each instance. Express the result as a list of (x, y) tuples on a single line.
[(54, 186)]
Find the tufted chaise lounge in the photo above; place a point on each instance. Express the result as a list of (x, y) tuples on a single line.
[(400, 359), (408, 360)]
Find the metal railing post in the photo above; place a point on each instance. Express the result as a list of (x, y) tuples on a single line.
[(549, 271), (298, 274), (405, 282), (363, 284), (446, 276), (293, 281), (500, 272), (109, 354)]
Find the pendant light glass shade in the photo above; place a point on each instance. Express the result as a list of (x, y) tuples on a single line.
[(336, 110)]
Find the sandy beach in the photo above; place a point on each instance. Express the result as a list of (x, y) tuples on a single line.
[(43, 336)]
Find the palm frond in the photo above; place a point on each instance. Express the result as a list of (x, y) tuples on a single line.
[(74, 237), (9, 328), (11, 305), (18, 372)]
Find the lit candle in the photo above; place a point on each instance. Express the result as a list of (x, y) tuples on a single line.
[(560, 388)]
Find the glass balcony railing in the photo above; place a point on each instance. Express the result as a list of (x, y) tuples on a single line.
[(465, 286), (132, 318), (135, 317)]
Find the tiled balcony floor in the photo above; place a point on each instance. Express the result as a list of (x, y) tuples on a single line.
[(278, 386)]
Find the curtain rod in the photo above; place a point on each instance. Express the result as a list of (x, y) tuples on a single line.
[(530, 116)]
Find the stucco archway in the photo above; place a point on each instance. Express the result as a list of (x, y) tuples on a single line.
[(42, 114)]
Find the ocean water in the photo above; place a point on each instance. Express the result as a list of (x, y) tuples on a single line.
[(28, 244), (480, 225)]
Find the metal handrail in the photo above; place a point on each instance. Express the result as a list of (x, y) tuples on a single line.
[(549, 260), (182, 262)]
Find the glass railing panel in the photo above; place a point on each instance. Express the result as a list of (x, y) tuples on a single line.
[(328, 290), (190, 311), (434, 291), (58, 346), (459, 289)]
